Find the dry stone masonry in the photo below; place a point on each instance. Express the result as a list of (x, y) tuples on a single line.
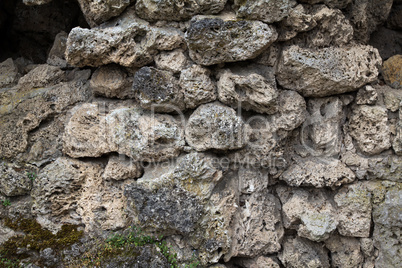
[(241, 133)]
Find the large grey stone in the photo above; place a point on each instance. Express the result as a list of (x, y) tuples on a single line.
[(268, 11), (345, 251), (96, 12)]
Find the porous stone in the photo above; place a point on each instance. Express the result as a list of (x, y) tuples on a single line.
[(368, 125), (327, 71), (42, 76), (35, 2), (96, 12), (298, 20), (14, 179), (176, 11), (8, 73), (56, 55), (263, 234), (214, 40), (317, 172), (197, 85), (258, 262), (215, 126), (331, 3), (127, 40), (310, 213), (397, 142), (174, 61), (249, 90), (300, 252), (253, 180), (367, 95), (268, 11), (392, 71), (112, 81), (122, 168), (345, 251), (158, 90), (353, 204), (391, 97)]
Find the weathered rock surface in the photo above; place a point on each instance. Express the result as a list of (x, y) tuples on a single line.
[(345, 251), (127, 41), (249, 90), (354, 210), (35, 2), (42, 76), (121, 168), (368, 125), (173, 10), (158, 90), (215, 126), (111, 81), (174, 61), (214, 40), (331, 3), (97, 12), (197, 86), (268, 11), (392, 71), (56, 55), (300, 252), (259, 262), (327, 71), (14, 179), (367, 95), (8, 73), (397, 142)]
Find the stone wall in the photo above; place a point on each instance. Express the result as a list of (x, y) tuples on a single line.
[(247, 133)]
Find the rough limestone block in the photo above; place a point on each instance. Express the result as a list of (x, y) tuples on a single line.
[(345, 251), (14, 180), (268, 11), (392, 71), (96, 12)]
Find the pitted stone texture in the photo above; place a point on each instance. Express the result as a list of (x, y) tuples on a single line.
[(158, 90), (300, 252), (215, 126), (111, 81), (327, 71), (392, 71), (253, 180), (176, 10), (174, 61), (257, 229), (8, 73), (258, 262), (122, 168), (354, 210), (298, 20), (96, 12), (368, 125), (268, 11), (345, 251), (249, 89), (331, 3), (397, 142), (56, 55), (35, 2), (367, 95), (127, 40), (318, 172), (197, 85), (14, 180), (214, 40), (310, 213), (42, 76)]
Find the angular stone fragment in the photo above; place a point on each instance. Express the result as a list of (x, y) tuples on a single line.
[(366, 95), (392, 71), (8, 72), (158, 90), (215, 126), (174, 61), (249, 90), (298, 20), (35, 2), (111, 81), (345, 251), (327, 71), (121, 168), (197, 86), (258, 262), (96, 12), (268, 11), (318, 173), (56, 55), (397, 142), (42, 76), (368, 125), (214, 40), (354, 210), (127, 41), (15, 180), (331, 3), (300, 252), (176, 10)]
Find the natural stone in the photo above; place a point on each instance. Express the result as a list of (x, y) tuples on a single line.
[(261, 235), (391, 97), (392, 71), (173, 10), (253, 180), (174, 61), (331, 3), (318, 173), (394, 20), (8, 73), (327, 71), (97, 12), (158, 90), (214, 40), (56, 55), (299, 252), (354, 210), (42, 76), (198, 86), (121, 168), (345, 251), (249, 90), (397, 142), (367, 95), (258, 262), (15, 180), (35, 2), (310, 213), (387, 41), (298, 20), (111, 81), (268, 11), (368, 125), (215, 126), (128, 41)]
